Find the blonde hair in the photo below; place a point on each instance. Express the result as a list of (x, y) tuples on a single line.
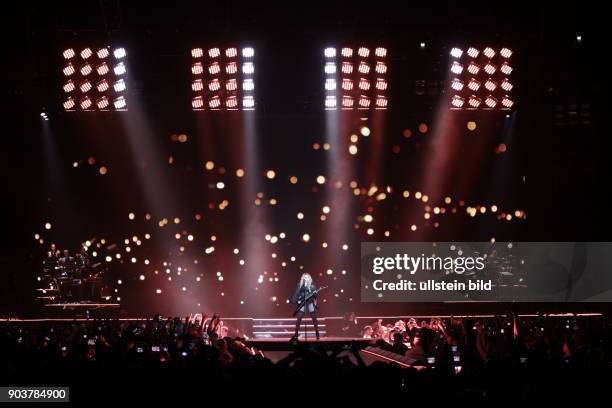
[(304, 278)]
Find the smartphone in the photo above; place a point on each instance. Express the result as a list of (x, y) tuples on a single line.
[(91, 342), (155, 349), (431, 360), (456, 359), (523, 360), (139, 350), (454, 349), (458, 369)]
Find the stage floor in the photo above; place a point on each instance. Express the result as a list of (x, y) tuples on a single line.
[(326, 343)]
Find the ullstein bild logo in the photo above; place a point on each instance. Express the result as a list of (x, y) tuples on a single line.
[(486, 271)]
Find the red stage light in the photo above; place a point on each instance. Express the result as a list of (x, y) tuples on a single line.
[(491, 102), (457, 84), (214, 68), (102, 103), (102, 69), (197, 69), (69, 86), (505, 68), (197, 85), (68, 70), (381, 84), (473, 68), (347, 68), (68, 53), (347, 52), (381, 102), (85, 86), (456, 52), (381, 68), (456, 68), (197, 102), (506, 85), (86, 70), (231, 102), (231, 84), (69, 103), (102, 86), (363, 52), (214, 102), (231, 68), (364, 84), (347, 84), (489, 52), (214, 85), (474, 101), (474, 85), (214, 52), (507, 102), (364, 102), (86, 53), (197, 52), (348, 101), (380, 52), (85, 103), (231, 52), (490, 69), (473, 52), (103, 53), (506, 52), (490, 85), (364, 67), (458, 101)]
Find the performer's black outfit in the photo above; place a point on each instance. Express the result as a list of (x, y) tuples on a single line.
[(301, 293)]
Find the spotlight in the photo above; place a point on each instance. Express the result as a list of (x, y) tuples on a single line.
[(489, 52), (380, 52), (214, 102), (456, 68), (347, 84), (119, 69), (381, 102), (119, 86), (456, 52), (491, 102), (85, 86), (248, 102), (490, 85), (197, 69), (102, 86), (457, 101), (506, 85), (102, 103), (330, 102), (457, 84), (364, 84), (347, 68), (364, 67), (231, 102), (490, 69), (248, 85), (231, 68), (473, 68), (231, 52), (68, 53), (364, 102), (347, 52), (231, 85), (330, 84), (102, 69), (197, 53), (505, 52), (119, 53), (330, 52), (214, 52), (69, 86), (197, 85), (85, 103), (214, 68), (473, 52), (330, 68), (505, 68), (381, 84), (102, 53), (86, 53), (248, 68), (197, 102), (86, 70), (248, 52), (69, 103), (214, 85), (363, 52), (507, 102), (474, 101), (120, 103), (381, 68)]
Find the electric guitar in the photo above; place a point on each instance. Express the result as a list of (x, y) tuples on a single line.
[(305, 301)]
